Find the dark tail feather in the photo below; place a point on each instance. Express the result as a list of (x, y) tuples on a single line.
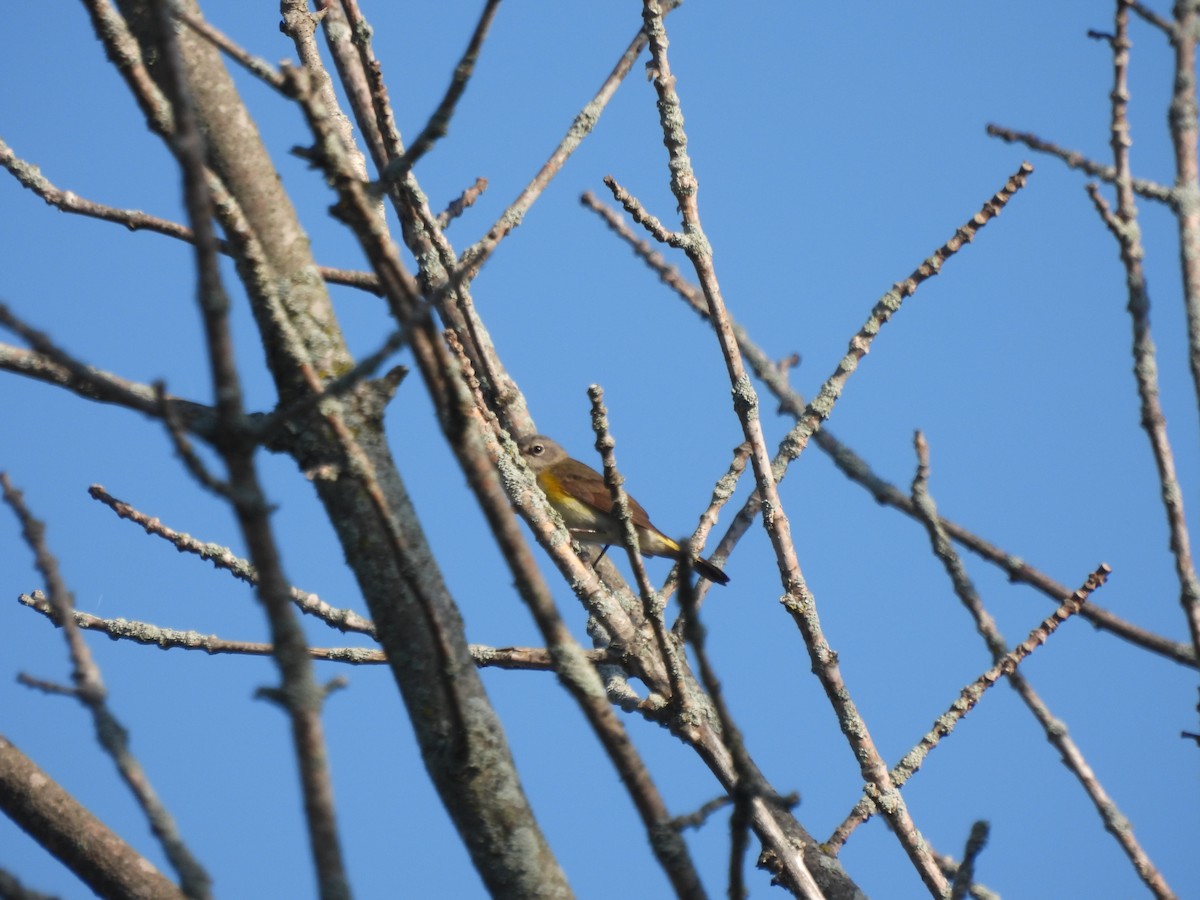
[(711, 572), (702, 566)]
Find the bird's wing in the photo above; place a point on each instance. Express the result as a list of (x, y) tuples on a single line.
[(587, 485)]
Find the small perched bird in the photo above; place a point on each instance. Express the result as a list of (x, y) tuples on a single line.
[(581, 497)]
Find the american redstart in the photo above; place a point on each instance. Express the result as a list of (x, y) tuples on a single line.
[(581, 497)]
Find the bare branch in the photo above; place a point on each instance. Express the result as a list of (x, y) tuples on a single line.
[(255, 65), (1006, 661), (966, 870), (477, 254), (1185, 141), (302, 697), (722, 494), (1075, 160), (184, 449), (531, 659), (1124, 226), (463, 202), (1149, 15), (821, 406), (858, 470), (798, 600), (90, 691), (638, 213), (652, 603), (52, 364), (750, 783), (223, 558), (57, 821), (1056, 732), (439, 123), (31, 177)]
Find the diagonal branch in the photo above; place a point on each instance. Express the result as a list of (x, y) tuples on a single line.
[(477, 254), (438, 125), (1124, 227), (1185, 141), (89, 689), (1006, 661), (61, 824), (532, 659), (300, 695), (798, 600), (1056, 733), (223, 558), (1075, 160), (31, 177), (859, 471)]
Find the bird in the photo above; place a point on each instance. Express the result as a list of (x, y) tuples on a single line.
[(583, 500)]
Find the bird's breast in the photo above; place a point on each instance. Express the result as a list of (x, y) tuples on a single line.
[(576, 514)]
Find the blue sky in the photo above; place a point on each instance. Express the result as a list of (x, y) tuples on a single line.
[(836, 146)]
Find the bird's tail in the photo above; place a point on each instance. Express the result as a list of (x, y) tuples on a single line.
[(655, 543), (711, 572)]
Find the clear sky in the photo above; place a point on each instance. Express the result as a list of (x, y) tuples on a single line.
[(836, 145)]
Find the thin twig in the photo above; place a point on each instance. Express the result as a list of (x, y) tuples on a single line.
[(302, 696), (477, 254), (1124, 227), (223, 558), (11, 887), (384, 136), (639, 214), (859, 471), (966, 869), (531, 659), (438, 125), (461, 203), (1166, 27), (722, 493), (1015, 567), (83, 378), (810, 419), (255, 65), (750, 783), (1075, 160), (31, 177), (184, 449), (123, 52), (652, 603), (821, 406), (703, 814), (797, 599), (1185, 141), (151, 635), (1005, 661), (88, 688), (1055, 730)]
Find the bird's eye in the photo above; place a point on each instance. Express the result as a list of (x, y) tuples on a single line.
[(538, 449)]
